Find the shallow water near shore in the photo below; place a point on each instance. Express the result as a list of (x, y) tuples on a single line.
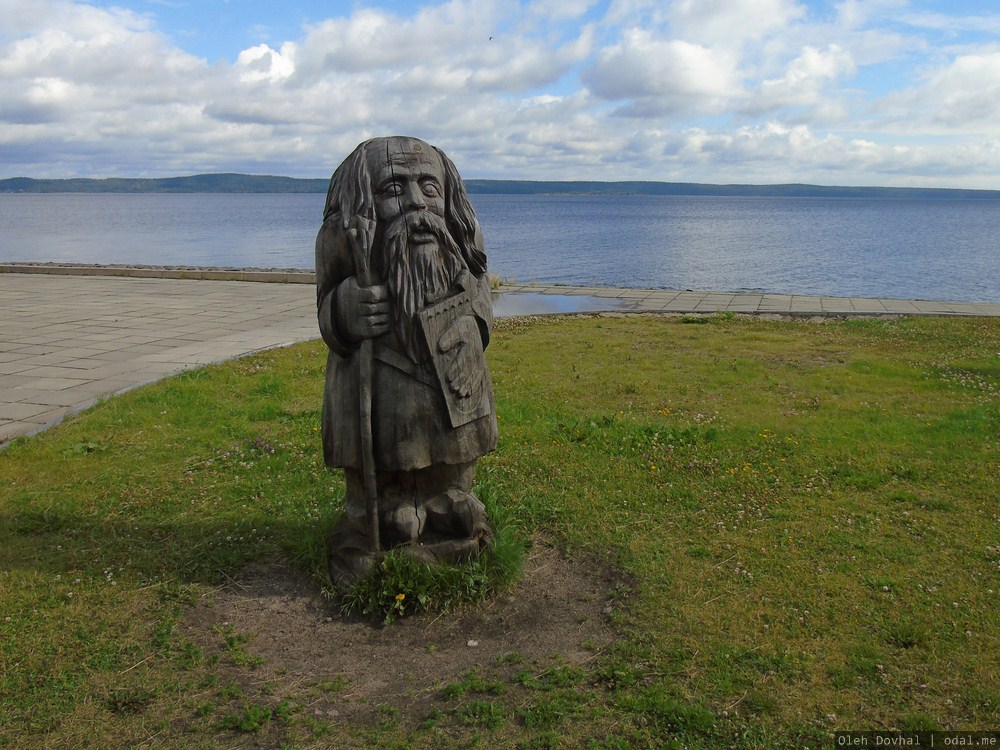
[(512, 304)]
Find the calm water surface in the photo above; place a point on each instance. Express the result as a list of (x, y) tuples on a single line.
[(923, 249)]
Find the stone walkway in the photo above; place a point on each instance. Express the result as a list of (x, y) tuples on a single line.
[(658, 300), (68, 340)]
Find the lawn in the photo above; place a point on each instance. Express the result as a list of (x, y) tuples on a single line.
[(806, 515)]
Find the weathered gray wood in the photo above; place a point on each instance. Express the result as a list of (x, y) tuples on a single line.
[(404, 306)]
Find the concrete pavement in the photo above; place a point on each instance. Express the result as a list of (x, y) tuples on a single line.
[(659, 300), (68, 340)]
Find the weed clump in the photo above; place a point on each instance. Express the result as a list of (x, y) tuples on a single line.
[(401, 585)]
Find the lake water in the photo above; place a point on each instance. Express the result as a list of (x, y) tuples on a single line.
[(922, 249)]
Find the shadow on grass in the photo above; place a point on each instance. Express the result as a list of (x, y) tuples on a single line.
[(200, 551)]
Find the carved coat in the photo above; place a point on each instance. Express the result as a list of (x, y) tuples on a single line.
[(410, 424)]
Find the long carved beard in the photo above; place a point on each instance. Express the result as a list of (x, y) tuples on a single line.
[(418, 276)]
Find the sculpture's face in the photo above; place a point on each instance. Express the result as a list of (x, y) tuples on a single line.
[(408, 177)]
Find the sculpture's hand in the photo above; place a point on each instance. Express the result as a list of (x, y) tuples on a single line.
[(465, 363), (362, 312)]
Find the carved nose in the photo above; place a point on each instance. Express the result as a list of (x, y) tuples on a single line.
[(415, 197)]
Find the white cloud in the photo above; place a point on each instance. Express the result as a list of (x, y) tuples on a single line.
[(261, 63), (989, 24), (960, 97), (83, 43), (372, 39), (853, 14), (804, 80), (966, 93), (663, 76), (729, 22), (560, 10), (759, 90), (85, 61), (773, 152)]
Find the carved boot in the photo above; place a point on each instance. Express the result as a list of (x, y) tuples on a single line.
[(350, 556), (402, 524), (456, 513)]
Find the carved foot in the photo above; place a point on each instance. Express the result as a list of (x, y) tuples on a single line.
[(457, 513), (350, 558), (448, 551), (450, 528), (402, 524)]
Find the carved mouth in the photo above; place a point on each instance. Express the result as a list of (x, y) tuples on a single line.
[(422, 232)]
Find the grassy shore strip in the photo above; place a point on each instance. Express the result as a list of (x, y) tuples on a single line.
[(808, 514)]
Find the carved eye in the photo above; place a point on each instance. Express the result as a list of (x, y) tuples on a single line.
[(431, 187), (391, 190)]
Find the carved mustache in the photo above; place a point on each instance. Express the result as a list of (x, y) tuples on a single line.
[(418, 221)]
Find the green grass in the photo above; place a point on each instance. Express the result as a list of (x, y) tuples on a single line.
[(400, 585), (807, 515)]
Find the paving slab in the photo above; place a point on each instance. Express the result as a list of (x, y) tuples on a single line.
[(147, 328), (70, 337), (771, 303)]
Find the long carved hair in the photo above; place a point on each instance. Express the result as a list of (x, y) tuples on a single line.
[(351, 194)]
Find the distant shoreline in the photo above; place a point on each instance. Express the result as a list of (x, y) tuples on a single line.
[(241, 183)]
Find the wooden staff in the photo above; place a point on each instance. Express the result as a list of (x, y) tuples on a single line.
[(361, 239)]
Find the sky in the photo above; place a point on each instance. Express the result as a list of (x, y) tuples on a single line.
[(828, 92)]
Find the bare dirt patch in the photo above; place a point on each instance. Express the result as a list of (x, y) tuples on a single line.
[(284, 635)]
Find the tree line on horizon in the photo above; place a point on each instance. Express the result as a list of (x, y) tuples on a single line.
[(243, 183)]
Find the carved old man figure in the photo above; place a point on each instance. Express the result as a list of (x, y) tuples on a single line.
[(404, 306)]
